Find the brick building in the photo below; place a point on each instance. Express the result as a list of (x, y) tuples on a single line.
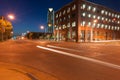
[(84, 21)]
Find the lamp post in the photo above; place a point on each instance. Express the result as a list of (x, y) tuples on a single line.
[(94, 22)]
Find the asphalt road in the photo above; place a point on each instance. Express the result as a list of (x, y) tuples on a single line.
[(64, 60)]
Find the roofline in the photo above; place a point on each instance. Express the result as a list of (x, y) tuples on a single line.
[(91, 3)]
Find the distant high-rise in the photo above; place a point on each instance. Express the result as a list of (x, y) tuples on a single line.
[(50, 20)]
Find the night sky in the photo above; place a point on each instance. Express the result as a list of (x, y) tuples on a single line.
[(31, 14)]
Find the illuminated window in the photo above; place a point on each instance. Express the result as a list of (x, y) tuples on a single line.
[(102, 12), (89, 8), (89, 23), (56, 15), (89, 15), (102, 25), (109, 27), (69, 16), (116, 15), (98, 17), (83, 6), (68, 10), (56, 28), (106, 19), (112, 14), (106, 13), (94, 9), (64, 12), (64, 26), (94, 16), (109, 20), (106, 26), (73, 24), (83, 14), (98, 25), (102, 18), (112, 28), (115, 28), (68, 25), (60, 14), (118, 28), (59, 27), (83, 23), (118, 22), (94, 24), (109, 14), (74, 7)]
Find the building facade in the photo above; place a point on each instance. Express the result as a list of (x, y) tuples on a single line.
[(84, 21), (50, 20)]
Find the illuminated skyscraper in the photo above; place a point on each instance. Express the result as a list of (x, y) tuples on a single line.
[(50, 20)]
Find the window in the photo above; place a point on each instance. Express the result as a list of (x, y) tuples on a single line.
[(116, 15), (106, 19), (102, 18), (98, 25), (64, 12), (68, 25), (112, 14), (106, 26), (109, 14), (68, 10), (94, 16), (69, 16), (74, 7), (60, 14), (64, 18), (89, 23), (102, 25), (118, 28), (83, 23), (102, 12), (83, 6), (112, 28), (98, 17), (59, 27), (89, 15), (56, 15), (64, 26), (89, 8), (94, 24), (106, 13), (118, 22), (94, 9), (83, 14), (73, 24), (109, 27)]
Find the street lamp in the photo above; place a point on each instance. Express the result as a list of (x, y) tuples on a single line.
[(43, 28), (94, 22), (11, 16)]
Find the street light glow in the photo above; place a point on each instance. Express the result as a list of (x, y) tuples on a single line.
[(41, 27), (11, 16)]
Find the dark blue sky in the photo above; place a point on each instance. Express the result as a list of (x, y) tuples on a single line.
[(30, 14)]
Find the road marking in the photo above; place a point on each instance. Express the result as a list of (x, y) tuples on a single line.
[(63, 48), (82, 57), (94, 54)]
